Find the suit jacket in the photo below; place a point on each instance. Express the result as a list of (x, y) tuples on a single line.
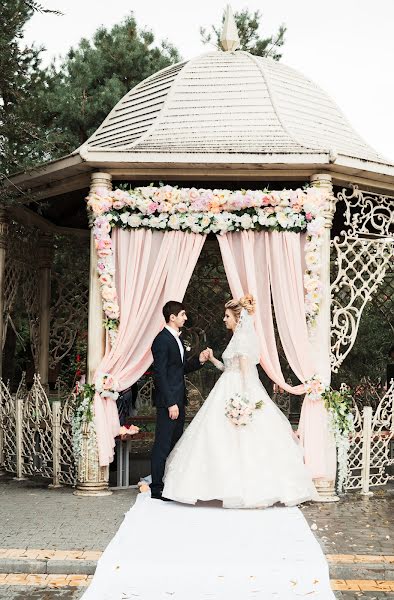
[(169, 370)]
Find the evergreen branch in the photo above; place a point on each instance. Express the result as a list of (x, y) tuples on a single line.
[(36, 7)]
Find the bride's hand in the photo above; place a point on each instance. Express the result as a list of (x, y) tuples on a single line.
[(210, 354)]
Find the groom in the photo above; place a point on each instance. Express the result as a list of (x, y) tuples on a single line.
[(169, 369)]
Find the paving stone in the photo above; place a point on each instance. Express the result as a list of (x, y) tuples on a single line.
[(82, 567), (355, 525), (39, 593), (33, 516), (14, 565)]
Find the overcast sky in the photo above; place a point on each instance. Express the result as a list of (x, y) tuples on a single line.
[(345, 46)]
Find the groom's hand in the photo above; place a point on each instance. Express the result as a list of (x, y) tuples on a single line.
[(173, 411), (204, 356)]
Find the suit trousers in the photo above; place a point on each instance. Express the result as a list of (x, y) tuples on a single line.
[(168, 432)]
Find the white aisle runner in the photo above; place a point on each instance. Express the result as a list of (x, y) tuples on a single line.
[(168, 551)]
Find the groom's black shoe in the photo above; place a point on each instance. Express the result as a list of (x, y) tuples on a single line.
[(160, 497)]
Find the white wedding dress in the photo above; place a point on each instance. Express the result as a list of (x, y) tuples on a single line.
[(248, 466)]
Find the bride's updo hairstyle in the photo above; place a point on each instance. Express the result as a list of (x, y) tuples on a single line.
[(247, 302)]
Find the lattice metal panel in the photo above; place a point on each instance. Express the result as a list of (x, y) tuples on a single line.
[(355, 454), (361, 257), (37, 439), (31, 298), (22, 279), (70, 291), (382, 434), (376, 439), (68, 470), (383, 298), (12, 277), (7, 429), (282, 400), (206, 295)]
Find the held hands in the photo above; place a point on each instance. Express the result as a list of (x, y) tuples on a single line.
[(173, 412), (206, 355)]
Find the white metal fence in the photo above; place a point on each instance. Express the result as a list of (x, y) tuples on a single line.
[(36, 434), (370, 454)]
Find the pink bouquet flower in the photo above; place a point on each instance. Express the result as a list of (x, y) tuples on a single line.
[(239, 410)]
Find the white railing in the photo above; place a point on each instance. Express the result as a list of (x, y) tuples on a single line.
[(369, 454), (36, 435)]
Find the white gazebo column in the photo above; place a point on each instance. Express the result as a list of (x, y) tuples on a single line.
[(320, 337), (45, 264), (92, 480), (3, 250)]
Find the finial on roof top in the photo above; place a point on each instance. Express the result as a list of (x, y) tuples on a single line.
[(229, 38)]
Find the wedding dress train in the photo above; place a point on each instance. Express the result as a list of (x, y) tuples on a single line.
[(248, 466)]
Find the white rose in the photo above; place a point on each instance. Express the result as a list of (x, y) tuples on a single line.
[(272, 221), (205, 221), (134, 221), (174, 222), (246, 221), (311, 258), (154, 222), (262, 219), (124, 217), (282, 220)]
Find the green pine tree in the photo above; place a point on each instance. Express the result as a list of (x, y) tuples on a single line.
[(94, 76), (22, 141)]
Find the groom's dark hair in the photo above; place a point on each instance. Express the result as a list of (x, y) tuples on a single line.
[(172, 308)]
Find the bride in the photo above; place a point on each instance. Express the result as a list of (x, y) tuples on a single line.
[(239, 448)]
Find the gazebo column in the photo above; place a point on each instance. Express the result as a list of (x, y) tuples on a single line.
[(92, 480), (320, 337), (45, 265), (3, 249)]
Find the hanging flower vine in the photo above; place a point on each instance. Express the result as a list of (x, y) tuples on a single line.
[(340, 418)]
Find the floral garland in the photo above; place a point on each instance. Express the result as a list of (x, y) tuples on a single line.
[(169, 208), (82, 417), (341, 423), (105, 385)]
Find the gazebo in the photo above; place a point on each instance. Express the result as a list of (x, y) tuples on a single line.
[(225, 118)]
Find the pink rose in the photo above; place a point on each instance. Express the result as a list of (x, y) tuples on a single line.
[(102, 243), (118, 204), (105, 227), (109, 382), (296, 207), (120, 195), (105, 279), (181, 207), (108, 292), (193, 194), (111, 309), (152, 207), (101, 191), (102, 253)]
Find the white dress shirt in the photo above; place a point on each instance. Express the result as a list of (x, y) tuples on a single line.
[(176, 335)]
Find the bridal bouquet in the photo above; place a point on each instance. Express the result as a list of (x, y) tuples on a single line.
[(239, 410)]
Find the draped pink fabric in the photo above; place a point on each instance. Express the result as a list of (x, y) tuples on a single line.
[(151, 267), (262, 263)]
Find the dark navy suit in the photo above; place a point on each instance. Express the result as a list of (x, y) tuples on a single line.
[(169, 377)]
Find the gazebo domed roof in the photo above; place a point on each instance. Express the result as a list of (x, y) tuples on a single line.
[(229, 102)]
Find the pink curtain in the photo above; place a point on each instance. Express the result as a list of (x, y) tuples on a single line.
[(262, 263), (151, 268)]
